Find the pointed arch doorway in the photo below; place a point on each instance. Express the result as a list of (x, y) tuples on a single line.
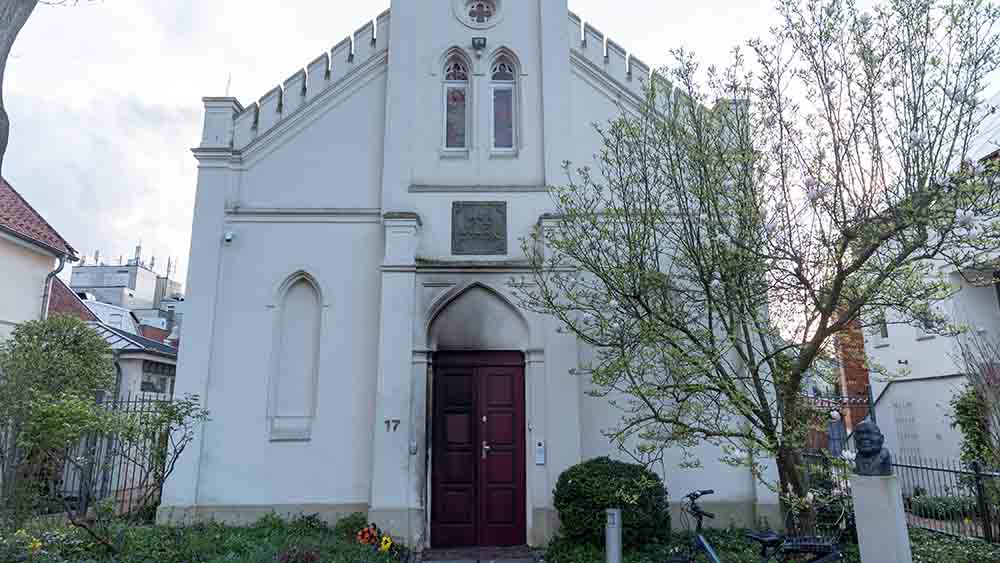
[(476, 411)]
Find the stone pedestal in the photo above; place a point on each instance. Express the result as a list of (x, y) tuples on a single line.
[(881, 519)]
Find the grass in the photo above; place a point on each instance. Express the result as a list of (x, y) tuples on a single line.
[(270, 540), (732, 547)]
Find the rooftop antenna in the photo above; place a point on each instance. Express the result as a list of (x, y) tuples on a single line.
[(229, 83)]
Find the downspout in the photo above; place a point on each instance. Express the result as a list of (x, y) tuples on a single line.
[(48, 286)]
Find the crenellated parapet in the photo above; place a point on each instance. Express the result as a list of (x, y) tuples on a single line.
[(604, 54), (369, 42)]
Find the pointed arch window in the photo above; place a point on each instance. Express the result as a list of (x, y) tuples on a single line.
[(456, 94), (292, 404), (504, 88)]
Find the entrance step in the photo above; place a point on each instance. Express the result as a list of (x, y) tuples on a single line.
[(482, 555)]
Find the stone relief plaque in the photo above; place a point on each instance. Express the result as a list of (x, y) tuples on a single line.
[(479, 228)]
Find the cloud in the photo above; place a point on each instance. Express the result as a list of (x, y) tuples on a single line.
[(108, 175)]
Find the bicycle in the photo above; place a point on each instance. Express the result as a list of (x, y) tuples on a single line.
[(822, 548)]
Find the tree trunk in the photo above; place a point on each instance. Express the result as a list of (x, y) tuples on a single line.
[(13, 15)]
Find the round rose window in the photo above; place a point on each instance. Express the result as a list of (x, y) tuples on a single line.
[(478, 14)]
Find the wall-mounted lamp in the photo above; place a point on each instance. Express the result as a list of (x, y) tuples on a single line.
[(228, 237), (479, 44)]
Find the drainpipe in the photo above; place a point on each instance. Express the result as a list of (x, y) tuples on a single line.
[(48, 286)]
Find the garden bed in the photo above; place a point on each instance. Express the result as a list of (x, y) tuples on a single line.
[(732, 547), (270, 540)]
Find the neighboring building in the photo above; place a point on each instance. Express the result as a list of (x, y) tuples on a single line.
[(145, 368), (64, 301), (916, 417), (31, 253), (132, 285), (355, 234), (113, 316), (154, 300)]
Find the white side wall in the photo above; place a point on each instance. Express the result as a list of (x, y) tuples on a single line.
[(916, 418), (22, 283), (335, 464)]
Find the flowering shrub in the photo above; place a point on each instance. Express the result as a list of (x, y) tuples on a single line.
[(382, 542)]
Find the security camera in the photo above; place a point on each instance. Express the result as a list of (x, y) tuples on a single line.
[(228, 237)]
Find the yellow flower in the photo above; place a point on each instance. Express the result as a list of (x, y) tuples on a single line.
[(386, 543), (35, 546)]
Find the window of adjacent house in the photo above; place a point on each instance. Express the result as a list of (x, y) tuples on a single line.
[(456, 91), (504, 83), (883, 329)]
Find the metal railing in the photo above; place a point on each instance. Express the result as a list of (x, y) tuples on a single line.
[(946, 496), (102, 468), (961, 499)]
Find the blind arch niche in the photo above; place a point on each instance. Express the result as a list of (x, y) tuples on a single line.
[(295, 364)]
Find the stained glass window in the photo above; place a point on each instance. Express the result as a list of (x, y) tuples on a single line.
[(456, 72), (503, 71), (456, 76), (503, 118), (504, 76), (456, 119)]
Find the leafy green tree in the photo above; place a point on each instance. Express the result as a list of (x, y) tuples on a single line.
[(55, 420), (58, 359), (732, 226)]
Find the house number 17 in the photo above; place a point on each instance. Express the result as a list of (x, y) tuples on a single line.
[(391, 425)]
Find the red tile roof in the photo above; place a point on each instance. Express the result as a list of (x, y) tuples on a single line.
[(18, 218), (63, 300)]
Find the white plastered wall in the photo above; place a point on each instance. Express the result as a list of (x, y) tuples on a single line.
[(25, 268)]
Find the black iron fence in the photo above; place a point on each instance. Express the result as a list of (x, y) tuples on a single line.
[(116, 471), (950, 497)]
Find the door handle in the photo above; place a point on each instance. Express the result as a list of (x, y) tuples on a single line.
[(486, 449)]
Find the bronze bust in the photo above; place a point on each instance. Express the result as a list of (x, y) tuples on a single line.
[(872, 458)]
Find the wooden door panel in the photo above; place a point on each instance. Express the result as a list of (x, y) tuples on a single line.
[(502, 477), (478, 494), (455, 489)]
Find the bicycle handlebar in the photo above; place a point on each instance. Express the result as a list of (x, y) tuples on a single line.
[(698, 494)]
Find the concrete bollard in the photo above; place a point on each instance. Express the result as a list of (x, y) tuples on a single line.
[(613, 536)]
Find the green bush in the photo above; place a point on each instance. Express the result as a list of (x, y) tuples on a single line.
[(349, 526), (943, 507), (584, 491)]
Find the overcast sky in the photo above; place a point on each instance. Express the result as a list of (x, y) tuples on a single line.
[(105, 97)]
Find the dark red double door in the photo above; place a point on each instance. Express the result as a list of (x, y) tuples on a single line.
[(478, 465)]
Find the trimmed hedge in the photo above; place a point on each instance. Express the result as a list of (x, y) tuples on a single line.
[(944, 508), (584, 491)]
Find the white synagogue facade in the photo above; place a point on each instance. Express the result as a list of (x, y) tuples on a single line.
[(349, 323)]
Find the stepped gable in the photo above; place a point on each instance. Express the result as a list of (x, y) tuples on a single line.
[(610, 58), (330, 68), (21, 220)]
